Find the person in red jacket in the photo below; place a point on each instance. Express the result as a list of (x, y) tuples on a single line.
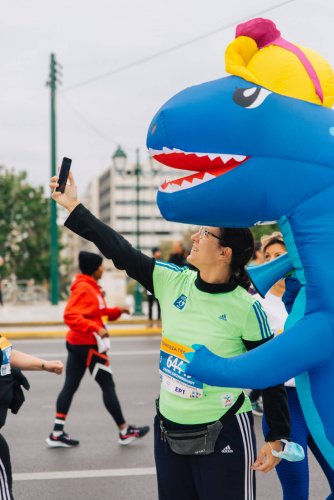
[(87, 343)]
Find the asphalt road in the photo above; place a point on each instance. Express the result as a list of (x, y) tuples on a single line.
[(99, 467)]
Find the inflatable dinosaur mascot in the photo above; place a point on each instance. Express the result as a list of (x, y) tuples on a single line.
[(260, 145)]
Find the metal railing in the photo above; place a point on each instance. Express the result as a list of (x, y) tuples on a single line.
[(22, 291)]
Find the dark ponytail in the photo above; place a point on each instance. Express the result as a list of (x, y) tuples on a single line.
[(241, 241)]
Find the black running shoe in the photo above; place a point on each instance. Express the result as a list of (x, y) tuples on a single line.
[(62, 441), (132, 433)]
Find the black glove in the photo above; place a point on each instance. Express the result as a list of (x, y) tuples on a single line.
[(18, 397), (20, 378)]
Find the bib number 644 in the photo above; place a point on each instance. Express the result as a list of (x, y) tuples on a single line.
[(175, 364)]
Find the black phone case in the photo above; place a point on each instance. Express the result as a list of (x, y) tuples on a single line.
[(63, 174)]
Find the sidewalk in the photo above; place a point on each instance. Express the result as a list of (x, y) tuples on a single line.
[(44, 320)]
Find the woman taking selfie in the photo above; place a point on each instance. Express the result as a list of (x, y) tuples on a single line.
[(204, 436)]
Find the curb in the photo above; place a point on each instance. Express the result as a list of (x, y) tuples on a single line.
[(133, 321)]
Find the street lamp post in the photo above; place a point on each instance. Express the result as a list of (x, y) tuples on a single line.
[(119, 159), (54, 247), (138, 289)]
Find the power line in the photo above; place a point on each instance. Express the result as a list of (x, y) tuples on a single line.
[(87, 123), (104, 136), (169, 50), (90, 126)]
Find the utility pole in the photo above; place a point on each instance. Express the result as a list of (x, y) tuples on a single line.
[(54, 265)]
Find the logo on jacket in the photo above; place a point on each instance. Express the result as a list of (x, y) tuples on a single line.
[(227, 400), (180, 302), (223, 317)]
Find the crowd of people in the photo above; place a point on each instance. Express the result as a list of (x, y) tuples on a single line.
[(203, 434)]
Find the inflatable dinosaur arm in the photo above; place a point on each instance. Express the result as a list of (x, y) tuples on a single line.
[(266, 275), (256, 369)]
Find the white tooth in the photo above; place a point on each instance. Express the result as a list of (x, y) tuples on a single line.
[(186, 185), (154, 151), (208, 177), (226, 158), (176, 187), (239, 157), (196, 181), (166, 151), (175, 150), (188, 153), (213, 156), (200, 155)]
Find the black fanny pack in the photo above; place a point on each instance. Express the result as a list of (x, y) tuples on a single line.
[(200, 441)]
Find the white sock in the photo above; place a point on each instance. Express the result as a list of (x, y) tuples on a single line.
[(57, 433), (124, 431)]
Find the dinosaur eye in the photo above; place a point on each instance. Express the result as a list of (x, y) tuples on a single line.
[(251, 97)]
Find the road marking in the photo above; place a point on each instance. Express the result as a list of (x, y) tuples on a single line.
[(79, 474), (54, 355)]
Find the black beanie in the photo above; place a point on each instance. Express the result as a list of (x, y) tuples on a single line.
[(89, 262)]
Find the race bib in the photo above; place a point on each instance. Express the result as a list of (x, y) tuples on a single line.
[(172, 378), (6, 348)]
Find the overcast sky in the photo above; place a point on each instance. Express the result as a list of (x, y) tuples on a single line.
[(93, 38)]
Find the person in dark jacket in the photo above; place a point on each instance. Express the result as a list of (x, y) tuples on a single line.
[(151, 299), (87, 343), (178, 254)]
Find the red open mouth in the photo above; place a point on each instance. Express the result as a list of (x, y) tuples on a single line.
[(206, 165)]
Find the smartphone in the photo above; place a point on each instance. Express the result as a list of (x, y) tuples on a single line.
[(63, 174)]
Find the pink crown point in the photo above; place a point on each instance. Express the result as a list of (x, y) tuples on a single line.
[(262, 31)]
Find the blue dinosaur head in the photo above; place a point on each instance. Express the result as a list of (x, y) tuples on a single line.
[(254, 154)]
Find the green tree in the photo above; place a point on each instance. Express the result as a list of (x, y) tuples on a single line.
[(24, 227)]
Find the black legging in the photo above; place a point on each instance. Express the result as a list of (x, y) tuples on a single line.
[(5, 471), (79, 358)]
